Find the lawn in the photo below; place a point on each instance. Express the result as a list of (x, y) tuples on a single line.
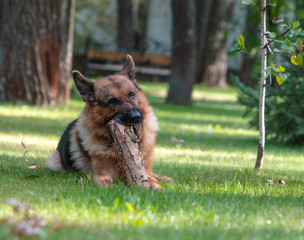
[(207, 149)]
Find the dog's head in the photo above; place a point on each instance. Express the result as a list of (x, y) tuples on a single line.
[(112, 97)]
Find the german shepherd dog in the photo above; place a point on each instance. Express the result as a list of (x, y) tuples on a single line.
[(86, 144)]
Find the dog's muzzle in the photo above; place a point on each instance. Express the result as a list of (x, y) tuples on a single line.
[(131, 117)]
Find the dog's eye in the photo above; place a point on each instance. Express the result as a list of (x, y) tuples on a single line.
[(114, 101), (131, 95)]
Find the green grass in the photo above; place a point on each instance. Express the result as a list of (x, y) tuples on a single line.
[(216, 193)]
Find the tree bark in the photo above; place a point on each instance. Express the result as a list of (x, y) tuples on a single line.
[(212, 69), (125, 25), (128, 155), (183, 52), (36, 39), (141, 25), (202, 21), (260, 157)]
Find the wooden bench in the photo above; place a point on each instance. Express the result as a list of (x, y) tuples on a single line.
[(112, 61)]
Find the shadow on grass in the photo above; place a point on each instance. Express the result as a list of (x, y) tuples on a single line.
[(206, 199), (193, 186), (205, 230)]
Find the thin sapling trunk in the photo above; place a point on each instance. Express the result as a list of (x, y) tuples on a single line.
[(260, 157)]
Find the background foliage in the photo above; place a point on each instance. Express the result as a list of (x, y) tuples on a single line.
[(284, 115)]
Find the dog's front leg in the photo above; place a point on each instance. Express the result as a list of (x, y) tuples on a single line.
[(104, 171)]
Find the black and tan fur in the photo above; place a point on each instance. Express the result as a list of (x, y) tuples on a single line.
[(86, 144)]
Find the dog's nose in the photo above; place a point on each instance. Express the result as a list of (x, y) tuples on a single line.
[(135, 116)]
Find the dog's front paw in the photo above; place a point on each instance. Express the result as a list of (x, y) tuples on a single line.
[(163, 178), (103, 180), (154, 184)]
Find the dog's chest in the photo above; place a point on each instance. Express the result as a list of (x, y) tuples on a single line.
[(95, 145)]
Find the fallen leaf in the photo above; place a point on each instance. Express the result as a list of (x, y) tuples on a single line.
[(17, 206), (7, 220), (33, 166), (30, 227), (25, 224), (177, 140)]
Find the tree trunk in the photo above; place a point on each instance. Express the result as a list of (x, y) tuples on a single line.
[(36, 39), (141, 25), (260, 157), (183, 52), (212, 69), (203, 11), (125, 25), (128, 156)]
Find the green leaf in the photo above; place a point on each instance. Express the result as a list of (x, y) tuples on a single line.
[(273, 35), (288, 42), (281, 78), (235, 48), (248, 2), (129, 206), (291, 49), (296, 24), (268, 73), (272, 3), (298, 31), (296, 60), (267, 69), (276, 50), (280, 69), (273, 69), (241, 41), (299, 44)]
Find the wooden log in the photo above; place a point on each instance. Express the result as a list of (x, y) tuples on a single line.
[(128, 155)]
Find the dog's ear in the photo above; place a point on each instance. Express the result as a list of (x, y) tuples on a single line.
[(84, 86), (129, 68)]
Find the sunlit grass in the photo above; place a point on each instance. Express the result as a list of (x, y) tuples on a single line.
[(207, 149), (201, 92)]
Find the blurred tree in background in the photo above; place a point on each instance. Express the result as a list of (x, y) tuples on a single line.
[(36, 39), (199, 51), (183, 52), (132, 26), (213, 24), (125, 25)]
